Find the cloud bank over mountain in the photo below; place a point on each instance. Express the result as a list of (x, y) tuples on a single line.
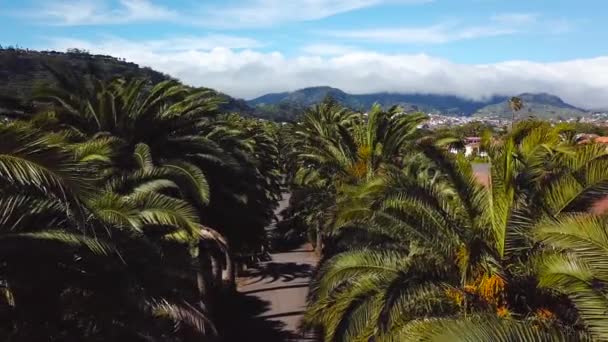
[(237, 68), (469, 48)]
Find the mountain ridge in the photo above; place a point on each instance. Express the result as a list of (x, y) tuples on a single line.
[(538, 104), (541, 105)]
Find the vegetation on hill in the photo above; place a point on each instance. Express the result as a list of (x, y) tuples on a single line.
[(21, 71), (289, 105), (410, 102), (281, 112), (24, 71), (415, 249), (542, 106), (470, 129)]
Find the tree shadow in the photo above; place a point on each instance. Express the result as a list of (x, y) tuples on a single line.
[(269, 289), (240, 317), (273, 271)]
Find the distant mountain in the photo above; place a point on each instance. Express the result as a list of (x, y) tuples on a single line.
[(21, 71), (289, 104), (540, 105), (411, 102)]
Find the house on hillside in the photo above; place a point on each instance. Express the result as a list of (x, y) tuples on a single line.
[(472, 146), (472, 140)]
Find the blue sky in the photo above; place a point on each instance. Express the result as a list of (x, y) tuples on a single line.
[(472, 48)]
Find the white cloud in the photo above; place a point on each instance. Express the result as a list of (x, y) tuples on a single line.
[(450, 31), (235, 14), (256, 13), (115, 45), (99, 12), (436, 34), (535, 22), (325, 49), (248, 73), (516, 18)]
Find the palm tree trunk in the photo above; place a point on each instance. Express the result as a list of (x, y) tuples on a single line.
[(229, 275), (319, 242), (216, 269), (204, 277), (512, 119)]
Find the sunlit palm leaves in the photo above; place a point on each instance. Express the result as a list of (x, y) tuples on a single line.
[(478, 329), (576, 265), (108, 199), (473, 250), (333, 148)]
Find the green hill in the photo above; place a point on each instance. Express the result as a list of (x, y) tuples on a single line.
[(21, 71), (287, 104), (541, 105)]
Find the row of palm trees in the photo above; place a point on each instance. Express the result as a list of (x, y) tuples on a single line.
[(123, 206), (416, 249)]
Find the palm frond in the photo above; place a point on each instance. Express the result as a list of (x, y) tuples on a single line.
[(484, 328), (186, 314)]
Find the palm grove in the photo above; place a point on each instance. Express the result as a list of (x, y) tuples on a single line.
[(416, 249), (122, 207)]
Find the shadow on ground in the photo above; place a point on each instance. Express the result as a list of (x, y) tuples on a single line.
[(241, 319), (271, 272), (244, 317)]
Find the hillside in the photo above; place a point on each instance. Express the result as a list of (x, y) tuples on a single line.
[(282, 103), (289, 104), (538, 105), (21, 71)]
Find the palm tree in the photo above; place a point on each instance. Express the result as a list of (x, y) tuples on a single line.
[(481, 328), (143, 171), (189, 144), (515, 104), (444, 246), (574, 265), (56, 227), (335, 147)]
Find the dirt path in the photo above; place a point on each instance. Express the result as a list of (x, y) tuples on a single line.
[(271, 297), (282, 283), (271, 300)]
